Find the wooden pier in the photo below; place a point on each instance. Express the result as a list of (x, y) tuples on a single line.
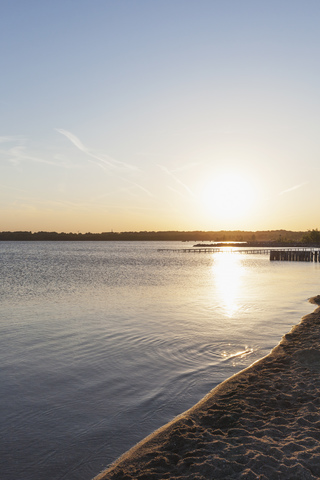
[(297, 255), (215, 250)]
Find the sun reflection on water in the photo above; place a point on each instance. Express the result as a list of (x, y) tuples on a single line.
[(236, 356), (227, 271)]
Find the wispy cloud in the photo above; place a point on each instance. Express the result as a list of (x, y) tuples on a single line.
[(176, 179), (9, 138), (187, 166), (100, 160), (177, 192), (20, 154), (293, 188), (15, 189), (106, 162)]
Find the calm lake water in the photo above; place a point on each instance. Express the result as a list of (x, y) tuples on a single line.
[(101, 343)]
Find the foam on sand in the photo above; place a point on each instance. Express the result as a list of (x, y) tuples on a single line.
[(262, 423)]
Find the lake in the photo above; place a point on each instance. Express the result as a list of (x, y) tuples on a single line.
[(102, 342)]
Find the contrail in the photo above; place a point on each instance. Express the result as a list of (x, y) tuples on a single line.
[(293, 188), (165, 169), (101, 161), (108, 161), (13, 188), (75, 140), (178, 192), (18, 154), (10, 139), (185, 167)]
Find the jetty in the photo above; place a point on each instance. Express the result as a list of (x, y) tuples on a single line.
[(215, 250), (295, 255), (302, 254)]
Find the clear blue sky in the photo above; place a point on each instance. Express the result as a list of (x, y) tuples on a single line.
[(159, 115)]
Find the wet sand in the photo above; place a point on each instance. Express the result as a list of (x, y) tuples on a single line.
[(262, 423)]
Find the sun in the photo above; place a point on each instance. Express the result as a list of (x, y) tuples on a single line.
[(229, 196)]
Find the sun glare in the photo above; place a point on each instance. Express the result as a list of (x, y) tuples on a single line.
[(227, 272), (229, 196)]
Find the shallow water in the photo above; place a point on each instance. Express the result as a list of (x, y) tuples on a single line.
[(101, 343)]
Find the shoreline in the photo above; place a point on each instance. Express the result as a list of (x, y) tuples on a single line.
[(261, 423)]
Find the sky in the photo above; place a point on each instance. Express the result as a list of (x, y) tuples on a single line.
[(133, 115)]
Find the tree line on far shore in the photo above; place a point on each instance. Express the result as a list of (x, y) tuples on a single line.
[(279, 236)]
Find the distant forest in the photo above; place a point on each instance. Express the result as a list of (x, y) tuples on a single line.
[(279, 236)]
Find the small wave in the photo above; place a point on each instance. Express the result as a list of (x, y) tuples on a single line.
[(238, 354)]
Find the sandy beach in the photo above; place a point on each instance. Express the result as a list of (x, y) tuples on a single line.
[(262, 423)]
